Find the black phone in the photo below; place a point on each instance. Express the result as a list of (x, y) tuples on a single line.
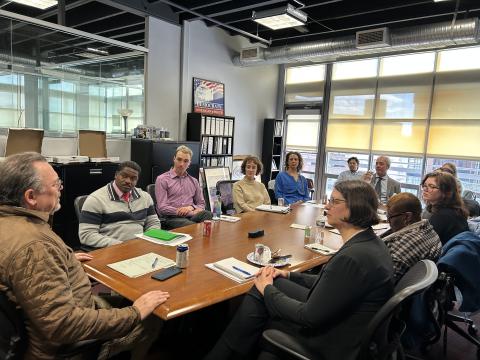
[(167, 273)]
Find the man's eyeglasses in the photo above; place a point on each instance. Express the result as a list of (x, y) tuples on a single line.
[(58, 184), (333, 201), (390, 217), (428, 187)]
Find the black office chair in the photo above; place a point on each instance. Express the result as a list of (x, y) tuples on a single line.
[(13, 336), (151, 190), (225, 189), (78, 205), (381, 339), (311, 188)]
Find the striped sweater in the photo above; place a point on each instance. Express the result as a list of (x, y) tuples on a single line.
[(108, 220)]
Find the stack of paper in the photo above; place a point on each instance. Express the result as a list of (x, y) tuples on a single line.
[(234, 269), (322, 249), (274, 208), (229, 218), (141, 265)]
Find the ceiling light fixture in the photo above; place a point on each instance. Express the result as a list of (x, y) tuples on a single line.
[(280, 18), (39, 4)]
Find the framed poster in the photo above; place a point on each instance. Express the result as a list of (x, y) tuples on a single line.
[(212, 176), (208, 97)]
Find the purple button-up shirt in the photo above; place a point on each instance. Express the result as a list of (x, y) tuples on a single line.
[(173, 192)]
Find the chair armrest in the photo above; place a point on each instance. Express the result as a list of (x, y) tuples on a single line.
[(287, 343)]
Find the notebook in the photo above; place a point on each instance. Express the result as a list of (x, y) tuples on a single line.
[(162, 234), (234, 269), (274, 208)]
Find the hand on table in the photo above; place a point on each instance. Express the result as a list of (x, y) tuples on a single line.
[(149, 301), (83, 256)]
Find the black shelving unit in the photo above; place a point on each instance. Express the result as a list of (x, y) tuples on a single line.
[(272, 149), (215, 134)]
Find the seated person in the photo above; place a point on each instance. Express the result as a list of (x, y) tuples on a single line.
[(179, 197), (249, 193), (352, 173), (289, 184), (448, 215), (384, 185), (45, 278), (118, 211), (410, 239), (329, 312)]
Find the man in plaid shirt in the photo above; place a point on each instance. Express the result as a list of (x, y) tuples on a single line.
[(410, 239)]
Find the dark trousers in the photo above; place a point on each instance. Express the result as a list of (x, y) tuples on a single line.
[(242, 335), (173, 222)]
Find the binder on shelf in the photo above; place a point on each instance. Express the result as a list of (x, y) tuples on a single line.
[(210, 145), (202, 125), (225, 146), (221, 129), (208, 124), (274, 165), (204, 144), (230, 127), (229, 147)]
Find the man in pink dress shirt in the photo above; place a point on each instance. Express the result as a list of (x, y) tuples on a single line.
[(180, 200)]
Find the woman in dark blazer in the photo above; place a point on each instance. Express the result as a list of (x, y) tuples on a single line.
[(328, 312), (448, 215)]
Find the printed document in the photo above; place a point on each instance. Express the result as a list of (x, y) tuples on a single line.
[(141, 265)]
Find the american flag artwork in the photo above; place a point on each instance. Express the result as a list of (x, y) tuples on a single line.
[(208, 97)]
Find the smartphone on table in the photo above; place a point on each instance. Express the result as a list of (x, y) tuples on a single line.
[(166, 273)]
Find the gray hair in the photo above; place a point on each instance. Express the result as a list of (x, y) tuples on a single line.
[(17, 176), (387, 160), (184, 149)]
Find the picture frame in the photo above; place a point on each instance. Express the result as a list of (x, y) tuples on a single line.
[(208, 97), (212, 176), (237, 168)]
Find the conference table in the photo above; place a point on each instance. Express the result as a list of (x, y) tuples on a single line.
[(198, 286)]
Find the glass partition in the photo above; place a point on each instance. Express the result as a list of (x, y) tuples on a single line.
[(62, 79)]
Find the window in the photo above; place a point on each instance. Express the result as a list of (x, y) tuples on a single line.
[(304, 84)]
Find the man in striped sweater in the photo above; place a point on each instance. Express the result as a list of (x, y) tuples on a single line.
[(117, 211)]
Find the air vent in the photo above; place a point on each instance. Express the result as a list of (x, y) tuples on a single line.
[(252, 54), (374, 38)]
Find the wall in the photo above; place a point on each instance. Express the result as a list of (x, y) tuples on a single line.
[(162, 75), (250, 92)]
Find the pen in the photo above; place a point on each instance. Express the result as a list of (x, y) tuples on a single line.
[(154, 263), (241, 270)]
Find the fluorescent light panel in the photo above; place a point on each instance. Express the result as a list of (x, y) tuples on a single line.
[(39, 4), (280, 18)]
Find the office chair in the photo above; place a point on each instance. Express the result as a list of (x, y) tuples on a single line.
[(458, 267), (78, 205), (381, 339), (225, 188), (13, 336), (151, 190), (311, 187), (271, 192)]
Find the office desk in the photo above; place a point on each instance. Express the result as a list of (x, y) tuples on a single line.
[(198, 287)]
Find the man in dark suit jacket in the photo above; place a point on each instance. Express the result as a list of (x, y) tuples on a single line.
[(383, 184)]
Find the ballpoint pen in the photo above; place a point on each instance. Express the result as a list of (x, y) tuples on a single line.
[(241, 270), (154, 263)]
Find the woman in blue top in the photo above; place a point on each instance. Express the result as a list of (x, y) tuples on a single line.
[(289, 184)]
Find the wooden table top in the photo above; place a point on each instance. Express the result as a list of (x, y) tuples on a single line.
[(198, 287)]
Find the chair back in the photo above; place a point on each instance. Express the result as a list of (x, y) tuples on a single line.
[(78, 205), (225, 188), (382, 336), (12, 331), (151, 190)]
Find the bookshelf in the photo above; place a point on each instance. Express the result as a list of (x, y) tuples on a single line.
[(215, 134), (272, 149)]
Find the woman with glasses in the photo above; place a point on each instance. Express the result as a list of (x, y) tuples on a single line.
[(328, 312), (289, 184), (444, 204)]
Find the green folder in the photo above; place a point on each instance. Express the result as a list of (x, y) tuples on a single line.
[(161, 234)]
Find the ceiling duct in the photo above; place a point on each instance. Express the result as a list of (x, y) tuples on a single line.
[(423, 37), (369, 39)]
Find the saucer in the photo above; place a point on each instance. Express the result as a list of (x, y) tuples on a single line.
[(279, 263)]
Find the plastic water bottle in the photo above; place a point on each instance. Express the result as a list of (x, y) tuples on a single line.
[(217, 208)]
